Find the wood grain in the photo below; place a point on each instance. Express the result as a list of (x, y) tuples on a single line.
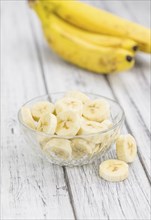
[(133, 86), (31, 187), (92, 197)]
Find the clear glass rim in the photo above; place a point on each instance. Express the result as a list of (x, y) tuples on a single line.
[(74, 136)]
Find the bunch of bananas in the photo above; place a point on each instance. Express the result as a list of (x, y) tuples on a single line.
[(90, 38)]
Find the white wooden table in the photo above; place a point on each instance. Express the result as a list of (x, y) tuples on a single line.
[(32, 188)]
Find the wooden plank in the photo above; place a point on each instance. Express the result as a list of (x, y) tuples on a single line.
[(92, 197), (132, 88), (96, 199), (143, 8), (136, 11), (141, 71), (31, 187)]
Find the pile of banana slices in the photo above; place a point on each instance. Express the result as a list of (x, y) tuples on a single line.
[(71, 127)]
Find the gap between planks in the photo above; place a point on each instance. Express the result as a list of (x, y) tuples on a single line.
[(46, 88), (114, 95), (126, 123), (106, 6), (129, 130)]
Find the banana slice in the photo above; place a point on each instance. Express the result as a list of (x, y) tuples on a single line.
[(96, 110), (126, 148), (113, 170), (68, 123), (81, 147), (84, 119), (47, 123), (42, 140), (90, 127), (27, 117), (78, 95), (69, 103), (106, 124), (59, 148), (41, 108)]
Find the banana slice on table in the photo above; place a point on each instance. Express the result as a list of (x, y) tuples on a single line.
[(69, 103), (41, 108), (27, 117), (96, 110), (78, 95), (68, 123), (47, 123), (126, 148), (81, 147), (113, 170), (59, 148)]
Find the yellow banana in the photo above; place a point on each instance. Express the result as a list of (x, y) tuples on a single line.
[(99, 21), (107, 41), (86, 55), (96, 39), (76, 50)]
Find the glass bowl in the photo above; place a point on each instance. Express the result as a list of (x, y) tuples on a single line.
[(99, 142)]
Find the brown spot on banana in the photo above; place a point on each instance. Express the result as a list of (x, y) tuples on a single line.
[(112, 64), (68, 17), (48, 11), (111, 61), (31, 2), (49, 40), (113, 70)]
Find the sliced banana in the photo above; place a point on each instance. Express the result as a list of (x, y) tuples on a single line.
[(93, 128), (69, 103), (68, 123), (27, 117), (41, 108), (81, 147), (113, 170), (42, 140), (90, 127), (106, 124), (60, 148), (84, 119), (126, 148), (47, 123), (96, 110), (78, 95)]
